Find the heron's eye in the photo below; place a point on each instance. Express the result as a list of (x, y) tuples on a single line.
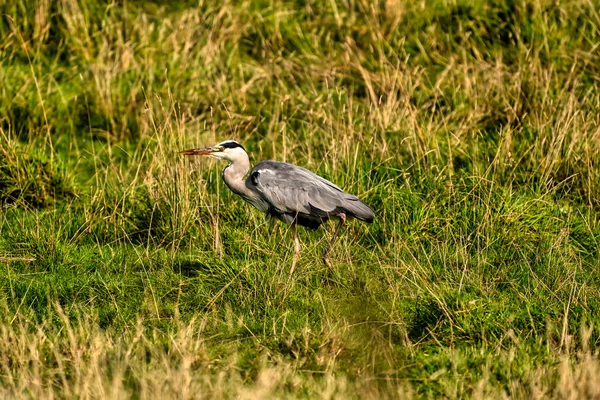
[(220, 148)]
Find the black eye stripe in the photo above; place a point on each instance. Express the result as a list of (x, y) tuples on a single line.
[(231, 145)]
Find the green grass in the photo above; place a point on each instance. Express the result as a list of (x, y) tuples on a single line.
[(470, 127)]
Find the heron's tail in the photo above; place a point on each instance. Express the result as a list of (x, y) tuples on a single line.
[(358, 209)]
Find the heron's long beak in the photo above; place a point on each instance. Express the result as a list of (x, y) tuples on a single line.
[(205, 151)]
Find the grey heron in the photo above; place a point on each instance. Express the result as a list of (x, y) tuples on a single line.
[(292, 194)]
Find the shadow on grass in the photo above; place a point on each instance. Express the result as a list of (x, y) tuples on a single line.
[(193, 268)]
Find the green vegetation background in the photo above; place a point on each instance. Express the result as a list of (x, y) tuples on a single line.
[(470, 127)]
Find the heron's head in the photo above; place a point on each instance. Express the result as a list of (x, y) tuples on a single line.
[(229, 150)]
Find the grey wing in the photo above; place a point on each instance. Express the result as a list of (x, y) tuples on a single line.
[(294, 190)]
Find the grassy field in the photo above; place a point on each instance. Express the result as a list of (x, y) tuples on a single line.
[(472, 128)]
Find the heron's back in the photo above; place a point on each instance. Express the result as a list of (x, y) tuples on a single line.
[(297, 194)]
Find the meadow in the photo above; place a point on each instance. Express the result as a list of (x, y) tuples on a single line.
[(470, 127)]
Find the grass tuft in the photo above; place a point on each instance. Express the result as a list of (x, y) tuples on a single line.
[(470, 127)]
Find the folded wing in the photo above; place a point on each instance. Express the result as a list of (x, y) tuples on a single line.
[(295, 191)]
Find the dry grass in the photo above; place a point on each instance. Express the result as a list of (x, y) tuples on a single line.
[(470, 127), (77, 359)]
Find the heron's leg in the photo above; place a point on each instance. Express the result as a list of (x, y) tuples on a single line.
[(296, 247), (271, 222), (342, 218)]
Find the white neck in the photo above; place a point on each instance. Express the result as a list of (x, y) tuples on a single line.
[(233, 175)]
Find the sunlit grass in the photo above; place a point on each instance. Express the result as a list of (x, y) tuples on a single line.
[(471, 128)]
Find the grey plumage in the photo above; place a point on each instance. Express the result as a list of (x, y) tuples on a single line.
[(298, 195), (285, 191)]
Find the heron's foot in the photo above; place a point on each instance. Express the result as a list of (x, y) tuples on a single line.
[(294, 260), (296, 249), (342, 218)]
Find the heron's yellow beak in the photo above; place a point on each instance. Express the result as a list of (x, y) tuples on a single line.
[(206, 151)]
